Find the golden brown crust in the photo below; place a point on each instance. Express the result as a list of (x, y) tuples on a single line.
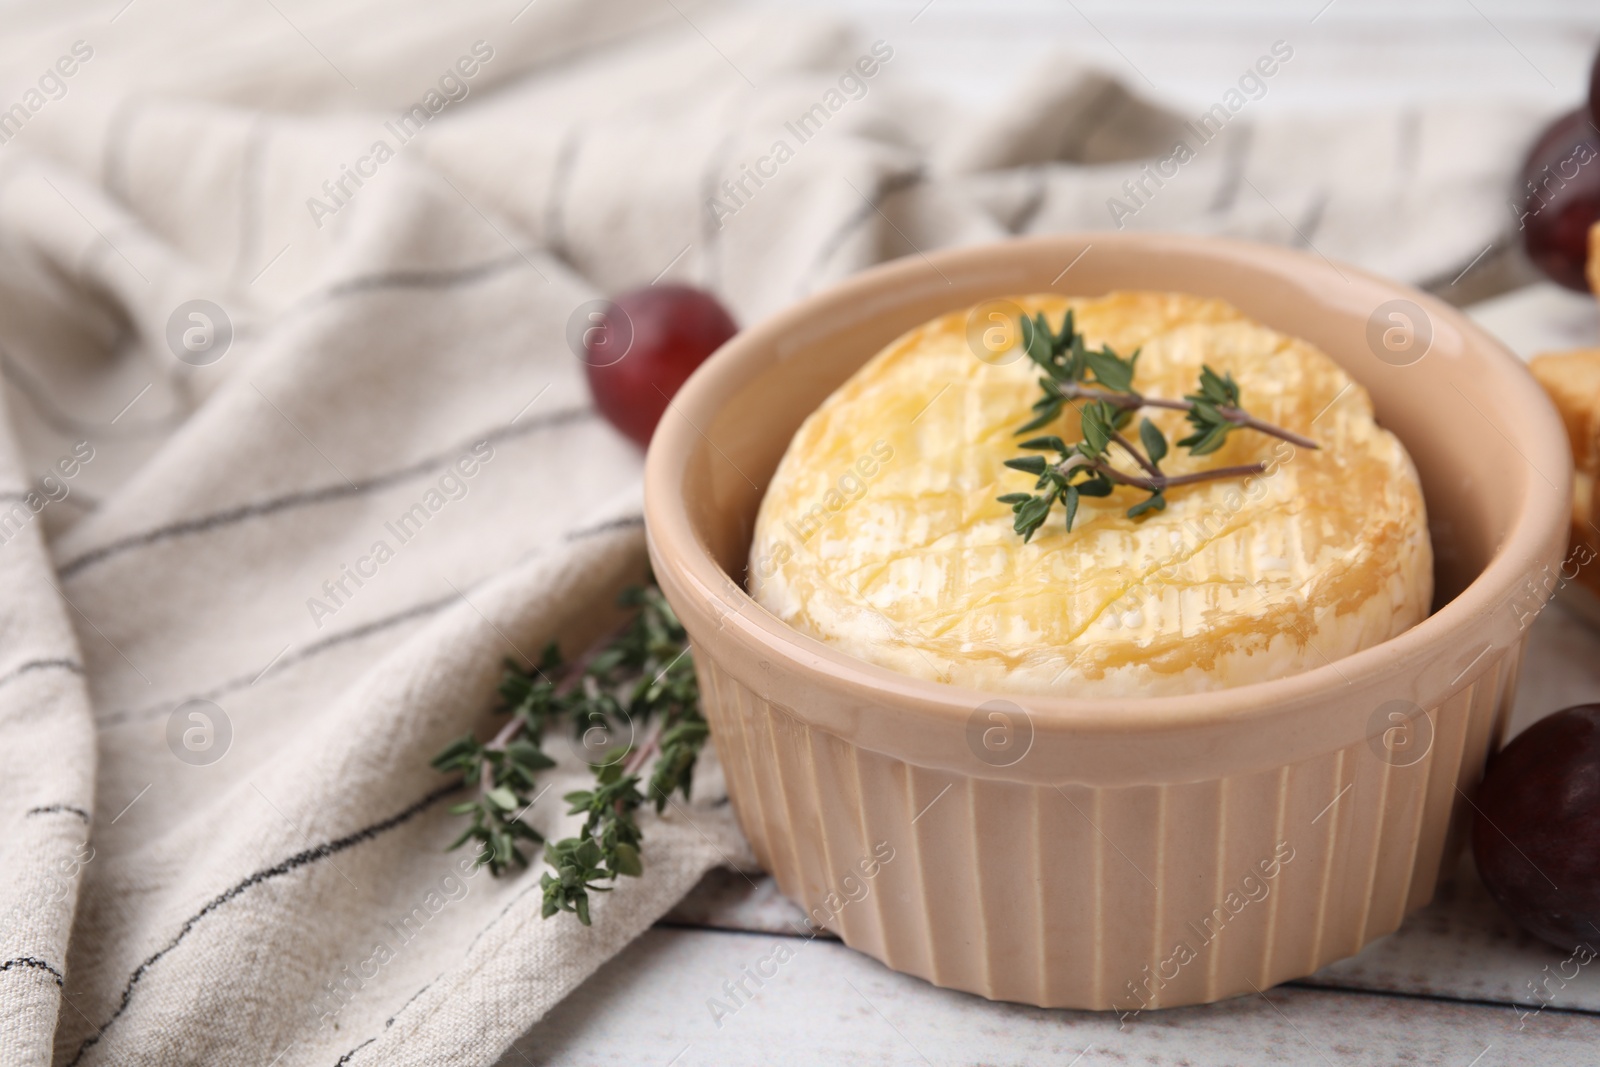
[(907, 560)]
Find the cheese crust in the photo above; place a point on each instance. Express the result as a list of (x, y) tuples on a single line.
[(880, 533)]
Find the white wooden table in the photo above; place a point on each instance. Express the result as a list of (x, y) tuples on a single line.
[(1454, 986)]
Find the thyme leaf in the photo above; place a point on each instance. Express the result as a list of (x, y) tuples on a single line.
[(642, 673), (1100, 383)]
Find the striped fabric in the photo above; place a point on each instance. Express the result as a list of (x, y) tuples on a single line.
[(295, 451)]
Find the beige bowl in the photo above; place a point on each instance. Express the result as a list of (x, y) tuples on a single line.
[(1116, 854)]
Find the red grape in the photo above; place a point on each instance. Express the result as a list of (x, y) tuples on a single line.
[(643, 346), (1536, 836), (1560, 197)]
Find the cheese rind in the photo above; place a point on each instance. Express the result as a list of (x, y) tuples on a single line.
[(880, 532)]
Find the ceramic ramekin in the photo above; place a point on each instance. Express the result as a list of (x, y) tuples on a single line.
[(1116, 854)]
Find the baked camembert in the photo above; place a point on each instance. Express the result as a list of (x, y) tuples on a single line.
[(881, 535)]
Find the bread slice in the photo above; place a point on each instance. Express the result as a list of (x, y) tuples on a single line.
[(1573, 381), (1594, 259)]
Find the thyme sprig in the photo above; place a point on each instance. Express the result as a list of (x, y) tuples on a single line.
[(1100, 383), (642, 673)]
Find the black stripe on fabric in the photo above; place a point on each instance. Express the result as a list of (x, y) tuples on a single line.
[(627, 522), (308, 497), (72, 666), (448, 278), (265, 874), (436, 279), (59, 809), (440, 278), (244, 681), (1436, 998), (346, 1057), (33, 963)]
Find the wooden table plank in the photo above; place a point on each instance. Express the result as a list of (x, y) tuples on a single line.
[(664, 1001), (1540, 318)]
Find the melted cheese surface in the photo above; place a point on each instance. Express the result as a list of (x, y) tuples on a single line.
[(880, 533)]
